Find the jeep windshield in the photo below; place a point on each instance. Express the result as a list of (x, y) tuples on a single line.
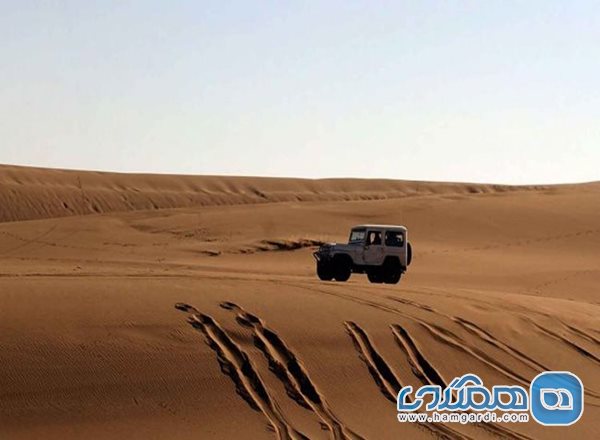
[(357, 236)]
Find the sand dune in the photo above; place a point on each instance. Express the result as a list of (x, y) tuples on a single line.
[(187, 307), (34, 193)]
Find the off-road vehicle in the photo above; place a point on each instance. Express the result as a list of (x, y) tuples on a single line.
[(381, 251)]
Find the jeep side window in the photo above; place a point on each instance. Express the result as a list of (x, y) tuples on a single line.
[(394, 238), (374, 238)]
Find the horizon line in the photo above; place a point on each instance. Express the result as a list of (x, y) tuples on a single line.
[(269, 176)]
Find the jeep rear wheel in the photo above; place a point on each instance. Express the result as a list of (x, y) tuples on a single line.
[(324, 271), (393, 278), (342, 268), (391, 271)]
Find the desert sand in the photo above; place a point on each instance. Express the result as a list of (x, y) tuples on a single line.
[(186, 307)]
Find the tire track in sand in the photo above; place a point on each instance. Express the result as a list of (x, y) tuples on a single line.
[(386, 379), (238, 366), (515, 353), (479, 333), (284, 363), (449, 338), (578, 348), (420, 366), (428, 375), (587, 336), (440, 334)]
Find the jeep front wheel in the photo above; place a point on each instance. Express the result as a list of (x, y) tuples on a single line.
[(342, 268), (374, 276), (324, 271)]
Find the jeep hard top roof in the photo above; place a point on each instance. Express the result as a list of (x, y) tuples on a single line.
[(388, 227)]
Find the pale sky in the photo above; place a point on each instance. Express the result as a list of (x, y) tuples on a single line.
[(484, 91)]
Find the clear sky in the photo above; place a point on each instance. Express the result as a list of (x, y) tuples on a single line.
[(484, 91)]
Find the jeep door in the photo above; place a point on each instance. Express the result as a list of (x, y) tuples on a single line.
[(395, 244), (373, 250)]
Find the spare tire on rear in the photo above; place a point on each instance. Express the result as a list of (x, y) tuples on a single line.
[(408, 254)]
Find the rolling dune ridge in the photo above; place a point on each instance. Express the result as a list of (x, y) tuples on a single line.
[(156, 306), (34, 193)]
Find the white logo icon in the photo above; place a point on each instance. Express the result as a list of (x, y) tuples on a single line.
[(563, 397)]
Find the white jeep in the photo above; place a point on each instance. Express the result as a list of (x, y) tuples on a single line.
[(381, 251)]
